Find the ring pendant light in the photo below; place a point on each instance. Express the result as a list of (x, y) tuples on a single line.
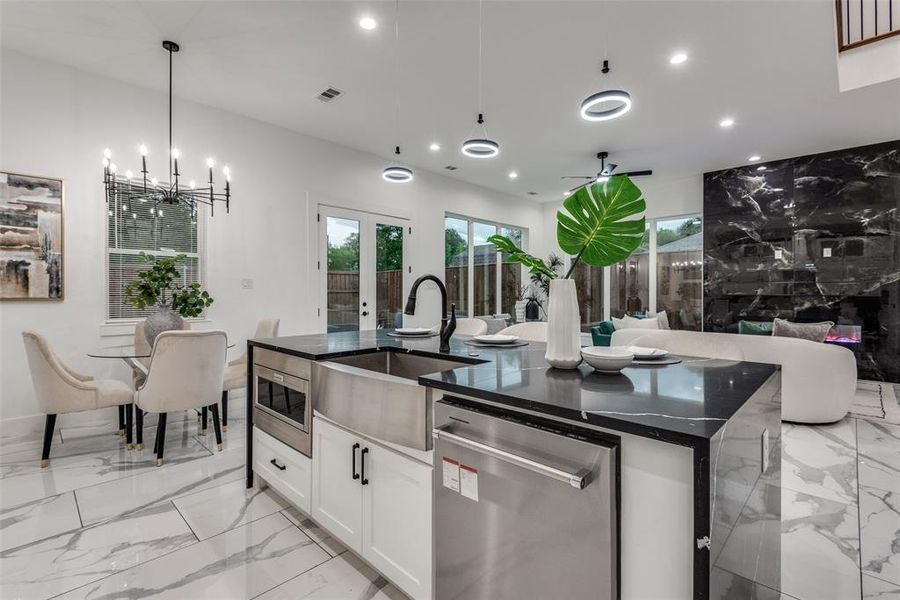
[(480, 147), (605, 105), (397, 173)]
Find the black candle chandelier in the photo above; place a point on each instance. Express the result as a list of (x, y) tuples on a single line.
[(126, 188)]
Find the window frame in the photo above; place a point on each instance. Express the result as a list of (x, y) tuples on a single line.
[(652, 266), (470, 276), (201, 256)]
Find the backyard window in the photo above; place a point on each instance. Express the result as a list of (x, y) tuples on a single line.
[(476, 274), (166, 230)]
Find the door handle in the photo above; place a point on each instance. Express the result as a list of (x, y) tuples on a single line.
[(353, 460), (274, 461), (578, 480), (363, 466)]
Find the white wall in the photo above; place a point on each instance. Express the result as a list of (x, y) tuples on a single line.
[(55, 121), (665, 197)]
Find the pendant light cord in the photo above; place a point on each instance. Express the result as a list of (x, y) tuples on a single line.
[(170, 115), (397, 67)]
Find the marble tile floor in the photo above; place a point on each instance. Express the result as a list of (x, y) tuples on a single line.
[(101, 522)]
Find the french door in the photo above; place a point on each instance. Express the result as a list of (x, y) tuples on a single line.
[(362, 262)]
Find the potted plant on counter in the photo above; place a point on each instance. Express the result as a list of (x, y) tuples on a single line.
[(157, 287), (594, 227)]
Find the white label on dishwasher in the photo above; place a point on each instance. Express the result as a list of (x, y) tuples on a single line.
[(451, 474), (468, 482)]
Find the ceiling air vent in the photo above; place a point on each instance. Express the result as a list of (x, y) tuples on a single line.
[(450, 168), (532, 193), (329, 94)]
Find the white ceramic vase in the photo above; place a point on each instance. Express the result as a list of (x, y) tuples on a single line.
[(563, 326)]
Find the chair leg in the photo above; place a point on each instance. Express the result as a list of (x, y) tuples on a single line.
[(121, 430), (160, 439), (203, 420), (129, 425), (48, 439), (138, 428), (215, 415), (225, 410)]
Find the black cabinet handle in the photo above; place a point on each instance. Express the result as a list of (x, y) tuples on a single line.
[(353, 460), (274, 461), (363, 466)]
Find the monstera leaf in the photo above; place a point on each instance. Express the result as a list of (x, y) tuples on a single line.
[(516, 254), (594, 225)]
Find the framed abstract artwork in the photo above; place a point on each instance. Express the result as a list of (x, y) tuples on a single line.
[(31, 237)]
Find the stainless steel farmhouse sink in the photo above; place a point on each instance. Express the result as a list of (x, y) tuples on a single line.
[(377, 394)]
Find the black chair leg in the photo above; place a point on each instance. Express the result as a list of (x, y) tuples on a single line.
[(129, 425), (138, 428), (225, 410), (160, 439), (215, 415), (121, 430), (203, 421), (48, 439)]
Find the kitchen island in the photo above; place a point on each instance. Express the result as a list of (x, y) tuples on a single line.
[(699, 450)]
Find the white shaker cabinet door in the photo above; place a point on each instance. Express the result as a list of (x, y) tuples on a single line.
[(336, 495)]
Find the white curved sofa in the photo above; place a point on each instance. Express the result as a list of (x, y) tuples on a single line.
[(818, 381)]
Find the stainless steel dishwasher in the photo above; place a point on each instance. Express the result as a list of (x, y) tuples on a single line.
[(523, 510)]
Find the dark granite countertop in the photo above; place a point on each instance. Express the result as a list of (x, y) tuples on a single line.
[(683, 403)]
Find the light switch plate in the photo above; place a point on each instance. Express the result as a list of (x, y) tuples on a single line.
[(826, 252), (246, 284), (765, 450)]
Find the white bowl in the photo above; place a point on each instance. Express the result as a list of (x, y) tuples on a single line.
[(605, 359), (496, 338)]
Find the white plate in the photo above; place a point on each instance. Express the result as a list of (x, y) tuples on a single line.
[(414, 330), (642, 353), (496, 338)]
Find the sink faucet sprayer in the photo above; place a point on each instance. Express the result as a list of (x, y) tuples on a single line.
[(447, 327)]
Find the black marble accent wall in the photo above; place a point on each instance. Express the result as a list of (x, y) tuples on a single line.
[(809, 239)]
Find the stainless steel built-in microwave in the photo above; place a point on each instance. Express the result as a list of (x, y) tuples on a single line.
[(282, 406)]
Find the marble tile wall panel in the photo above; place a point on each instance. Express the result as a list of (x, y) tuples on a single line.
[(811, 238)]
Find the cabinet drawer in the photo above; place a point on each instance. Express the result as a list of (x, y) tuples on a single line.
[(283, 468)]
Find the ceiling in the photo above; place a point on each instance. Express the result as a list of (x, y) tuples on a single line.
[(769, 65)]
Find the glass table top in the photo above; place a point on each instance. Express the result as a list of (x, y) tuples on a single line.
[(126, 351)]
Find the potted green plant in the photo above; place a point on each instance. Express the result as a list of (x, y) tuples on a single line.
[(157, 287), (594, 227)]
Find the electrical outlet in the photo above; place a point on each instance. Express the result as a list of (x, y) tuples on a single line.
[(246, 284), (779, 254), (765, 450)]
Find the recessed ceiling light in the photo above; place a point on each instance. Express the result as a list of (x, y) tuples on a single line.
[(761, 168), (726, 122), (754, 158), (434, 147), (368, 23), (513, 174), (677, 59)]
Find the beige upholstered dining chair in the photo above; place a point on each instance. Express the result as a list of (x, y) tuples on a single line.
[(470, 326), (141, 346), (60, 389), (236, 371), (534, 331), (186, 370)]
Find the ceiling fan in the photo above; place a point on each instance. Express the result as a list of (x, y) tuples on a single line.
[(605, 172)]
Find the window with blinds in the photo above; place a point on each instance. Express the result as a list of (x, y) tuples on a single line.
[(167, 230)]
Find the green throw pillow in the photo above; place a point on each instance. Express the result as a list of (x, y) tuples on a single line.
[(754, 328)]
